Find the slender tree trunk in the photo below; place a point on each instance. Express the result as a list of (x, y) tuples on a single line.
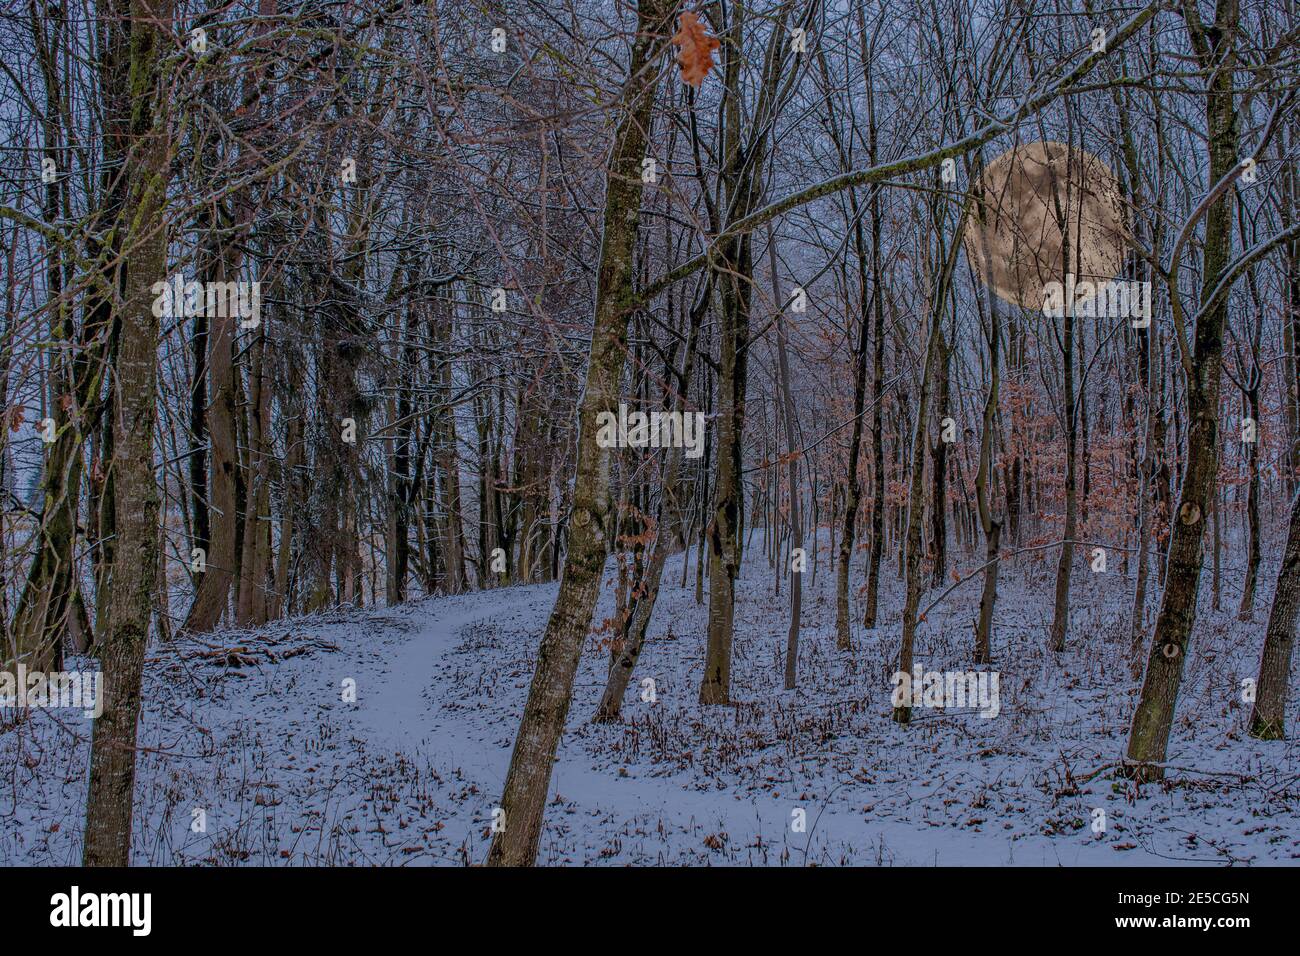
[(939, 472), (1137, 625), (877, 552), (284, 554), (1217, 499), (724, 531), (214, 591), (46, 616), (852, 485), (550, 693), (1247, 605), (455, 580), (743, 175), (1061, 610), (666, 536), (1268, 716), (704, 497), (792, 467), (201, 533), (1153, 719), (915, 508), (991, 526), (253, 566)]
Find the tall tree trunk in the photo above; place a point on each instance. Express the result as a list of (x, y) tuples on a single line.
[(946, 258), (256, 542), (877, 548), (292, 501), (852, 485), (112, 753), (453, 550), (877, 551), (1146, 472), (1291, 322), (214, 590), (666, 536), (1065, 563), (201, 520), (46, 615), (1268, 716), (916, 507), (991, 526), (792, 468), (1251, 397), (744, 171), (704, 497), (939, 471)]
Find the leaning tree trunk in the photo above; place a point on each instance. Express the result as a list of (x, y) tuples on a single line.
[(1268, 716), (1247, 605), (666, 536), (529, 776), (112, 753)]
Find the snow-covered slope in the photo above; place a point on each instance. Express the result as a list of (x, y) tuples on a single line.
[(250, 735)]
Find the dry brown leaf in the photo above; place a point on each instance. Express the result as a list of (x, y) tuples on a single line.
[(696, 53)]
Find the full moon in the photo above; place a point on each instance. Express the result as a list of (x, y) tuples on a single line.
[(1047, 211)]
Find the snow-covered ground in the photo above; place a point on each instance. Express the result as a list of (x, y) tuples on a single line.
[(260, 746)]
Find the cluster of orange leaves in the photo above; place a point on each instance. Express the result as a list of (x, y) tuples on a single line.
[(14, 416), (695, 56)]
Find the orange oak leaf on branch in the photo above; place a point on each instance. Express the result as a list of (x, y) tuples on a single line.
[(696, 54)]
